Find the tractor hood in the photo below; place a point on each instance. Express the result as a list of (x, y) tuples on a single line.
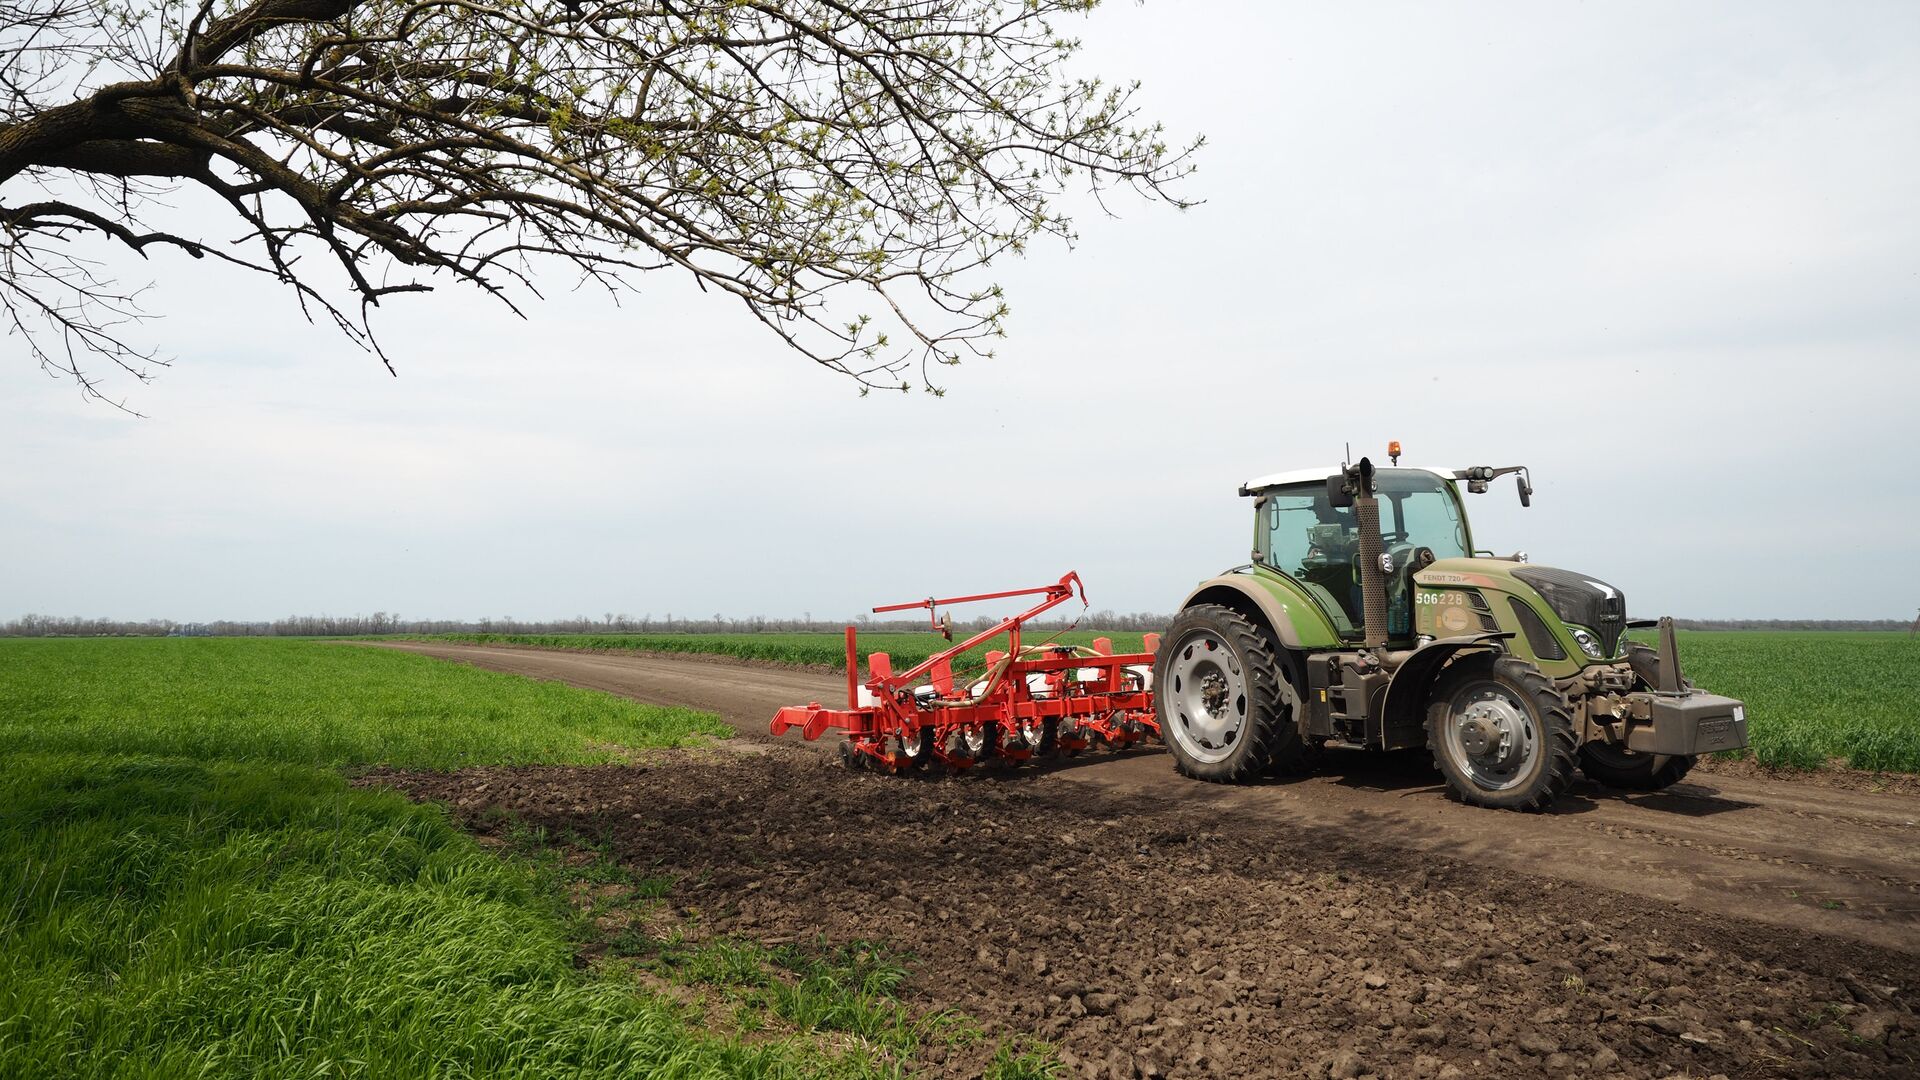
[(1577, 599)]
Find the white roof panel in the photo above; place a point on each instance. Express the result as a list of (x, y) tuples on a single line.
[(1304, 476), (1292, 476)]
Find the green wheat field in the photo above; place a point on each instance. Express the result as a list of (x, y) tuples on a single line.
[(1813, 698), (190, 887)]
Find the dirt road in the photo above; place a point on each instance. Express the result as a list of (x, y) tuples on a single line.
[(1734, 924), (1791, 853)]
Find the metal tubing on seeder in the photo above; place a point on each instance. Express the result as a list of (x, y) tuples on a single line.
[(1031, 700)]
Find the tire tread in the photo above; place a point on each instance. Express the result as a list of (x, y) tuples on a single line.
[(1670, 772), (1273, 731), (1550, 707)]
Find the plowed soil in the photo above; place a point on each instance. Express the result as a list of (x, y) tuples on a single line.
[(1350, 924)]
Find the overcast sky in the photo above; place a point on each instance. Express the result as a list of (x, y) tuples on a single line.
[(1667, 255)]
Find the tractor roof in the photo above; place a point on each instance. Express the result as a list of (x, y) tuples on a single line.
[(1307, 476)]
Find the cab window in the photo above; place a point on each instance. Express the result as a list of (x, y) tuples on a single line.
[(1418, 509), (1317, 543)]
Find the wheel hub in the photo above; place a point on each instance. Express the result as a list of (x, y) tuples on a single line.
[(1492, 737), (1488, 732), (1213, 694)]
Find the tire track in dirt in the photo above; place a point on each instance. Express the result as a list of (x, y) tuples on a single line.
[(1792, 854)]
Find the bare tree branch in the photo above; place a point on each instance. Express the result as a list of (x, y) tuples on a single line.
[(783, 152)]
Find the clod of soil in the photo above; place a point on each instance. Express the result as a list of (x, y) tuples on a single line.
[(1143, 939)]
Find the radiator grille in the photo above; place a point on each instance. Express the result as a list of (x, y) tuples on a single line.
[(1545, 645)]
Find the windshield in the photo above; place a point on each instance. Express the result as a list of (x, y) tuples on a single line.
[(1315, 542), (1419, 509)]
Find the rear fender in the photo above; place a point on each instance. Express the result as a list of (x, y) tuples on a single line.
[(1404, 715), (1291, 620)]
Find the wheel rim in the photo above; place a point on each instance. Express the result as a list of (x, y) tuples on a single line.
[(1207, 690), (1033, 732), (913, 747), (973, 740), (1492, 736)]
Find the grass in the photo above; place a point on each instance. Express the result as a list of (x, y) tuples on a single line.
[(190, 888), (852, 988), (1812, 697), (173, 918), (1817, 696), (258, 699)]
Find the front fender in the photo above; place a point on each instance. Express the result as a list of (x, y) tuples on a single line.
[(1405, 708)]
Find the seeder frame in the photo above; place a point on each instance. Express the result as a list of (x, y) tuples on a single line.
[(1033, 700)]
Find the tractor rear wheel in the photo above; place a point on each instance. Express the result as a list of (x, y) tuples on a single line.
[(1501, 733), (1619, 767), (1227, 711)]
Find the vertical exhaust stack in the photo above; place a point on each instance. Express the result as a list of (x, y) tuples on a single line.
[(1373, 579)]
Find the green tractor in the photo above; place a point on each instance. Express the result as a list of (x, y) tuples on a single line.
[(1367, 620)]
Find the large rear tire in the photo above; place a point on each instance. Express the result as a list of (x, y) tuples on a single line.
[(1619, 767), (1501, 733), (1227, 711)]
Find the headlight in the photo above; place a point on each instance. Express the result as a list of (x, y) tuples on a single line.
[(1588, 643)]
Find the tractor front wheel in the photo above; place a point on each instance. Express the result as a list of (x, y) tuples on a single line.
[(1501, 733), (1619, 767), (1226, 710)]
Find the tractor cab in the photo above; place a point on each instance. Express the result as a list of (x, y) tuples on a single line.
[(1307, 531)]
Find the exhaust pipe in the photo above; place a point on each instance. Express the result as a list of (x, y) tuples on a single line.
[(1373, 581)]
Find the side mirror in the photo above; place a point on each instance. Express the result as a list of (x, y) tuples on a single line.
[(1526, 489), (1337, 493)]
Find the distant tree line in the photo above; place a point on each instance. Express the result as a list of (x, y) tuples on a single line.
[(381, 622), (1792, 624)]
